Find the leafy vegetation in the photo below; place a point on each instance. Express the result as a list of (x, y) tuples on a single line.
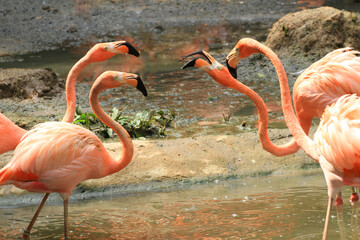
[(145, 123)]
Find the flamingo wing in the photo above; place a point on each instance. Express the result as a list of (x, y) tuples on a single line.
[(335, 75), (55, 154), (338, 135)]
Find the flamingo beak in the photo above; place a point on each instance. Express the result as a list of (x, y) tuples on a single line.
[(131, 48), (233, 71), (140, 86), (190, 63)]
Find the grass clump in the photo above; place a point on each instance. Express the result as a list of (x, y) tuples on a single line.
[(147, 123)]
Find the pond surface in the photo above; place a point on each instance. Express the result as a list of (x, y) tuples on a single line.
[(276, 207)]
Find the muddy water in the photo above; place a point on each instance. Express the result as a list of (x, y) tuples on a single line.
[(199, 102), (276, 207)]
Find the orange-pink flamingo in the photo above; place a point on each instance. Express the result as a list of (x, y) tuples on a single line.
[(321, 84), (56, 156), (11, 134), (336, 146)]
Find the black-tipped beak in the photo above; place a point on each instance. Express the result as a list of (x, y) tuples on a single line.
[(233, 71), (141, 87), (190, 63), (132, 49), (198, 52)]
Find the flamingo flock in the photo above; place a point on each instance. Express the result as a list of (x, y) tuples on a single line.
[(56, 156)]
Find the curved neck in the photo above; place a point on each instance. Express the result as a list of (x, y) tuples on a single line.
[(290, 118), (128, 148), (267, 145), (70, 89)]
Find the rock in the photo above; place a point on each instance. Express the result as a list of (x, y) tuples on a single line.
[(28, 83), (315, 32)]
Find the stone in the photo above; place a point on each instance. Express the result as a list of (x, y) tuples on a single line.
[(315, 32), (29, 83)]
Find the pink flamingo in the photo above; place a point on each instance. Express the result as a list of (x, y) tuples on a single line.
[(56, 156), (336, 144), (323, 83), (11, 134)]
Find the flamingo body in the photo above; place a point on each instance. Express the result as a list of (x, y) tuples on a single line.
[(53, 151), (325, 81), (338, 136)]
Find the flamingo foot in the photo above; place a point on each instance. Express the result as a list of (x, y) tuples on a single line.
[(26, 234), (339, 201), (354, 198)]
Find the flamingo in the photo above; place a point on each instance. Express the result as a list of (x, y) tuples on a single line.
[(323, 83), (336, 142), (56, 156), (11, 134)]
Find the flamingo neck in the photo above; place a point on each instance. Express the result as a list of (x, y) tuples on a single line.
[(267, 145), (128, 149), (70, 88), (290, 118), (10, 134)]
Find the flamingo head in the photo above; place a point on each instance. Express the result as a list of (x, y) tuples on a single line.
[(243, 49), (215, 69), (103, 51), (113, 79)]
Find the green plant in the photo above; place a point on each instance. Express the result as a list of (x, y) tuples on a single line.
[(145, 123), (286, 30)]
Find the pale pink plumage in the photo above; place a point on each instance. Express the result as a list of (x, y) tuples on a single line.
[(325, 81), (53, 151), (338, 135)]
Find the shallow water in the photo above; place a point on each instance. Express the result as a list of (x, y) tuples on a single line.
[(272, 207)]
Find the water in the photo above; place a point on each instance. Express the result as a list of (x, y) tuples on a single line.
[(275, 207)]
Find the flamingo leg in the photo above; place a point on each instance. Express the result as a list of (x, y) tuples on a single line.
[(354, 223), (27, 231), (327, 219), (66, 202), (340, 218), (354, 198)]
